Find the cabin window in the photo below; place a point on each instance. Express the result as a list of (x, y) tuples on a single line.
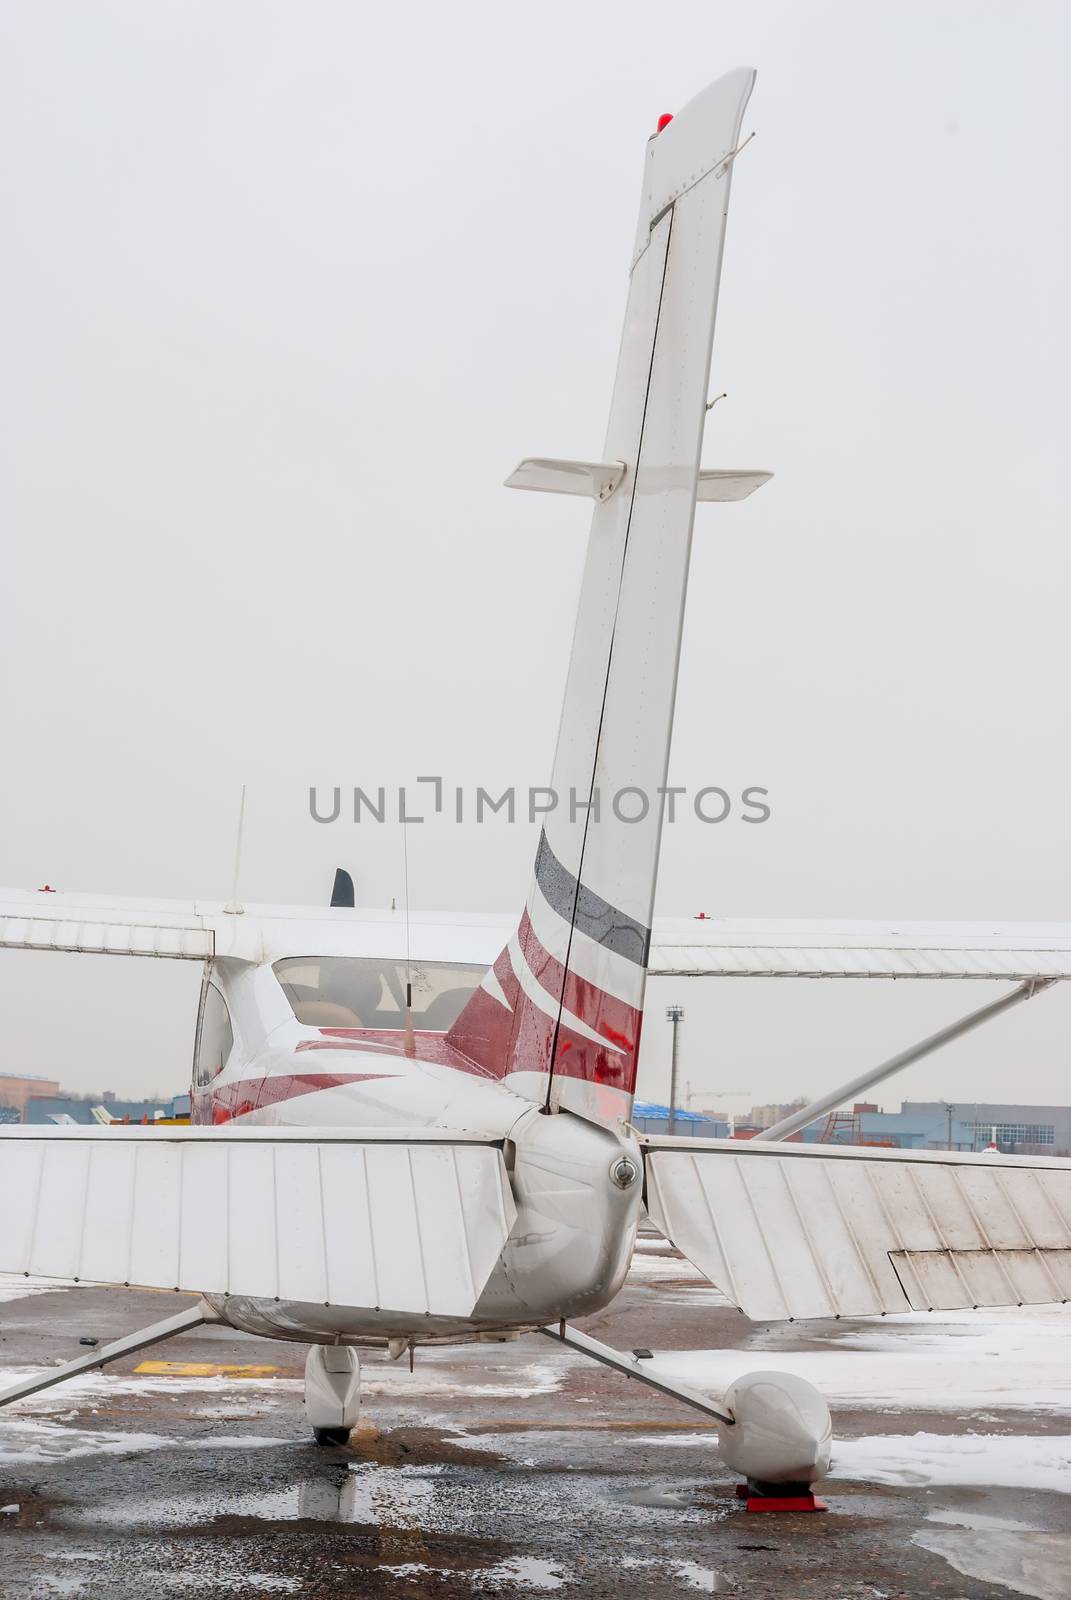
[(215, 1037), (359, 992)]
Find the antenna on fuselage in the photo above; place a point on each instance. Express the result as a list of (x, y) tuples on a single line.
[(232, 908), (408, 1037), (342, 891)]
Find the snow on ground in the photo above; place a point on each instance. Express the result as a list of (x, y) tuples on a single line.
[(103, 1384), (15, 1286), (1031, 1333), (650, 1265), (969, 1361), (919, 1460), (521, 1572), (677, 1280), (24, 1439), (515, 1381), (378, 1380), (1007, 1461)]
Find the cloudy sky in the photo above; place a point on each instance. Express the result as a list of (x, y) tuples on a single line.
[(290, 288)]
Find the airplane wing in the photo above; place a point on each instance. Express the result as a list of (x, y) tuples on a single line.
[(789, 1231), (200, 930), (103, 925), (389, 1221), (696, 947), (691, 947)]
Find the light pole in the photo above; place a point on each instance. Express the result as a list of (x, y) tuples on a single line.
[(949, 1110), (676, 1017)]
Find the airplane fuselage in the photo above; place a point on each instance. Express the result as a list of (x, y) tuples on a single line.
[(576, 1184)]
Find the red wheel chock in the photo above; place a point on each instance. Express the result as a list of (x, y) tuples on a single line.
[(779, 1497)]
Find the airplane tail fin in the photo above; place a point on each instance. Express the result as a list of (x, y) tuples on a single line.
[(559, 1014)]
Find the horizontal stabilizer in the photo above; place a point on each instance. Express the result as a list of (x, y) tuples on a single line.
[(595, 479), (791, 1231), (387, 1222), (728, 485)]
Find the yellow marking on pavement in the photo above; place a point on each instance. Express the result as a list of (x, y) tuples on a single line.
[(201, 1369)]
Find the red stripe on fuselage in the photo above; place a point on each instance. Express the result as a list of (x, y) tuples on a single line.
[(430, 1047), (488, 1039), (229, 1100)]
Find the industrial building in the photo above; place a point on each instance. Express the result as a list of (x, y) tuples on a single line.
[(1023, 1130), (18, 1087), (80, 1108), (647, 1117), (37, 1100), (918, 1125), (942, 1125)]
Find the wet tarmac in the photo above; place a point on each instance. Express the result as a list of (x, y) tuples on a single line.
[(521, 1469)]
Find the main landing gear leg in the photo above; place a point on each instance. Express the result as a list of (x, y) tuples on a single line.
[(773, 1428)]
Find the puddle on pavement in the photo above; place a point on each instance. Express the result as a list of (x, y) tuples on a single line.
[(981, 1520), (658, 1497), (702, 1580), (390, 1497), (524, 1572), (1000, 1550), (521, 1572), (705, 1579)]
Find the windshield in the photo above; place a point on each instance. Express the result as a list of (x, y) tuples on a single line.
[(365, 992)]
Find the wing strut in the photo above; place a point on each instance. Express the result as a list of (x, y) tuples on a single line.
[(181, 1322), (773, 1427), (925, 1047), (637, 1365)]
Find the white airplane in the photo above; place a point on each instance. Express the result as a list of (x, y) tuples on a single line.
[(411, 1130)]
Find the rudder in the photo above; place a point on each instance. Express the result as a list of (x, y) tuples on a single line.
[(559, 1014)]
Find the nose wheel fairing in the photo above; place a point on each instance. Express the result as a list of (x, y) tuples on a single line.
[(332, 1392), (773, 1428)]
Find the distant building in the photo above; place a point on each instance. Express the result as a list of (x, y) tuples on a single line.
[(40, 1109), (18, 1087), (650, 1118), (938, 1125), (1020, 1129), (765, 1116), (748, 1130)]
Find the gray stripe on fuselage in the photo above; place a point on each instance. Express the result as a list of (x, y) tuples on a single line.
[(589, 912)]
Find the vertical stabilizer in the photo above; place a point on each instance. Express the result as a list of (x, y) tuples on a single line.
[(559, 1014)]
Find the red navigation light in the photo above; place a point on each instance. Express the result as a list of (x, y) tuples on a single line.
[(664, 121)]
